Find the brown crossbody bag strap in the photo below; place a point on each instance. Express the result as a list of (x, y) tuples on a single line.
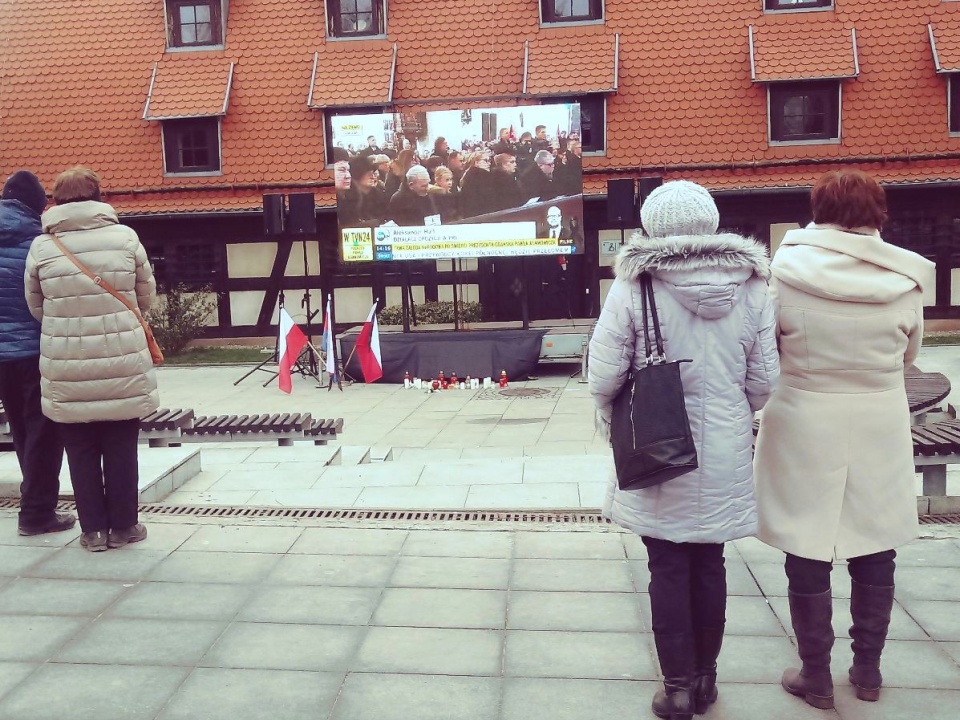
[(154, 348)]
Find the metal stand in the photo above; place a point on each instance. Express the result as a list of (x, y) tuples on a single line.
[(274, 358)]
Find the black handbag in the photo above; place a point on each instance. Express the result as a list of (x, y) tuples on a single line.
[(649, 429)]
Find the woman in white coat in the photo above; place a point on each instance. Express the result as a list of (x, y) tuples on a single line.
[(834, 462), (712, 296)]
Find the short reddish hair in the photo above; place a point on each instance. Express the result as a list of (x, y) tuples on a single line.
[(850, 199)]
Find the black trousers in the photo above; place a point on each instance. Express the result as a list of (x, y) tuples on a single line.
[(103, 468), (36, 439), (688, 586), (809, 577)]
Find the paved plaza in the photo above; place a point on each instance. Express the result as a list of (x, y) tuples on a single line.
[(438, 622), (238, 618)]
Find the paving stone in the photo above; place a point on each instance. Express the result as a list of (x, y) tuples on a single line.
[(92, 692), (161, 536), (574, 611), (242, 538), (181, 601), (535, 496), (14, 560), (309, 605), (565, 468), (231, 694), (740, 580), (41, 596), (899, 704), (634, 546), (74, 563), (344, 571), (432, 607), (272, 646), (952, 649), (928, 583), (640, 574), (909, 664), (426, 697), (555, 699), (753, 550), (569, 545), (9, 535), (612, 656), (210, 567), (125, 641), (929, 553), (493, 470), (567, 575), (433, 651), (753, 659), (349, 541), (35, 638), (413, 498), (459, 544), (752, 616), (741, 701), (11, 674), (474, 573)]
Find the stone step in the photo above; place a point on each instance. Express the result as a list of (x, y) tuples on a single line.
[(162, 470)]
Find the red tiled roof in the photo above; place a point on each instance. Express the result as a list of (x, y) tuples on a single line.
[(371, 66), (803, 47), (75, 74), (189, 86), (592, 68), (945, 44)]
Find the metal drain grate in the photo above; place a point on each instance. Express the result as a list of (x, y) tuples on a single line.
[(518, 393), (498, 516), (519, 516)]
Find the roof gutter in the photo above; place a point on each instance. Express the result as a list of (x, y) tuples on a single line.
[(526, 64), (856, 54), (933, 46), (393, 74), (753, 62), (616, 62), (761, 164), (313, 79), (226, 97), (153, 79)]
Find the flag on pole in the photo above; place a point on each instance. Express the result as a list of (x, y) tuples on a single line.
[(327, 345), (512, 136), (368, 348), (289, 346)]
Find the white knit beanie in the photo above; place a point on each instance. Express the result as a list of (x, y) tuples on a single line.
[(679, 208)]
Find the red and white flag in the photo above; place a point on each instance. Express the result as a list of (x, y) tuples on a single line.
[(289, 346), (368, 348)]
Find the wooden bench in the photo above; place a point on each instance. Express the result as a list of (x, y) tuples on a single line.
[(172, 427), (936, 445)]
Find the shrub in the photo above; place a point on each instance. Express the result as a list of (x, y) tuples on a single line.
[(179, 316), (433, 313)]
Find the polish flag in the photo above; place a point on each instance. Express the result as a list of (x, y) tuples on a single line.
[(289, 346), (327, 346), (368, 348)]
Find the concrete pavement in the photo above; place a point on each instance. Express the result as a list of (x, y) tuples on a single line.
[(469, 621)]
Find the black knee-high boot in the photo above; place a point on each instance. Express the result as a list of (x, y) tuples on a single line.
[(811, 616), (676, 654), (704, 689), (870, 606)]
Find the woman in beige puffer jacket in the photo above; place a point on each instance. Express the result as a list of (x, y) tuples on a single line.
[(97, 376)]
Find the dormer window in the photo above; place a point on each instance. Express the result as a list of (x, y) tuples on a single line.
[(797, 4), (356, 18), (194, 23), (569, 11)]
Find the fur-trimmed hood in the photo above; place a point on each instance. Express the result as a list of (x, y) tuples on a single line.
[(705, 273), (691, 252)]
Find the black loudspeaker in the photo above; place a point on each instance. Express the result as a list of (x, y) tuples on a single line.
[(273, 212), (302, 218), (648, 185), (621, 205)]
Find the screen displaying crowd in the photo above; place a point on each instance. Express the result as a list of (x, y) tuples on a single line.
[(459, 167)]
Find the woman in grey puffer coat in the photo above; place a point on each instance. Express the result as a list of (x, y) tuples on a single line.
[(714, 307)]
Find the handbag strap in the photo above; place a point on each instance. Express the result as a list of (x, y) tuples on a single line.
[(646, 296), (96, 278)]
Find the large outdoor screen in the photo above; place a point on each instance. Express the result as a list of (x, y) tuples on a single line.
[(468, 183)]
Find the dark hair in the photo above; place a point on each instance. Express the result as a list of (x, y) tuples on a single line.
[(850, 199)]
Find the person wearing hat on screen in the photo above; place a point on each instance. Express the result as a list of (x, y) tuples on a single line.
[(35, 437)]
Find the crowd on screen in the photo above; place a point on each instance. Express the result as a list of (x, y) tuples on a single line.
[(408, 186)]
